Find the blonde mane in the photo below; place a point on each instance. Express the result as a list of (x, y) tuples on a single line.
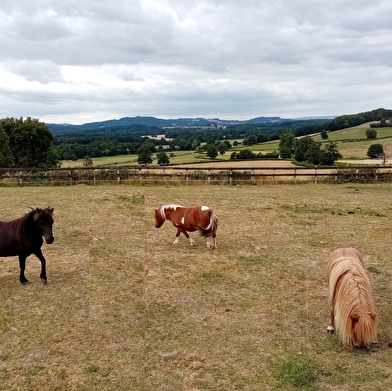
[(352, 302)]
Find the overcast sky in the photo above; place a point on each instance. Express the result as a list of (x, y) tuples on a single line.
[(78, 61)]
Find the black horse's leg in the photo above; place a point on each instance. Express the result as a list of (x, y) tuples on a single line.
[(22, 265), (38, 254)]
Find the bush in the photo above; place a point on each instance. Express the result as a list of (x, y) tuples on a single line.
[(371, 134), (375, 151)]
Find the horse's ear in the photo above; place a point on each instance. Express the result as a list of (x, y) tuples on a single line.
[(50, 210), (36, 213)]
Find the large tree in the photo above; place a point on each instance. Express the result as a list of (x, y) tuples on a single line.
[(6, 158), (163, 159), (30, 142), (329, 154), (144, 154), (286, 145), (211, 151), (308, 150)]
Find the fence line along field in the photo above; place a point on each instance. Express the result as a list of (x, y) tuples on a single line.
[(250, 315)]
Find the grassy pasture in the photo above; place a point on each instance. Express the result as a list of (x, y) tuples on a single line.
[(251, 315)]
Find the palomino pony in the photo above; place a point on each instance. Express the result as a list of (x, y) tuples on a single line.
[(352, 302), (198, 218), (23, 237)]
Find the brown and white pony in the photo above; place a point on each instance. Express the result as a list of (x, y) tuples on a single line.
[(352, 303), (198, 218)]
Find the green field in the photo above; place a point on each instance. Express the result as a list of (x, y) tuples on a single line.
[(352, 144), (250, 315)]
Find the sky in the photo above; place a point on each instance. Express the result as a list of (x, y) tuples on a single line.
[(79, 61)]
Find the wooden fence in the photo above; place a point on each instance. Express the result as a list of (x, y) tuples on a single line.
[(170, 175)]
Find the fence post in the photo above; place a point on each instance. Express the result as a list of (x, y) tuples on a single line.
[(186, 177), (70, 177), (118, 177), (209, 176), (336, 176), (20, 179), (295, 175), (140, 174), (231, 178), (164, 174), (273, 177), (95, 181), (315, 175)]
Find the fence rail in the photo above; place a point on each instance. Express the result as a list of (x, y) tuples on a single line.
[(189, 175)]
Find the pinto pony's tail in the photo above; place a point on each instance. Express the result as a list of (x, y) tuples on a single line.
[(211, 228)]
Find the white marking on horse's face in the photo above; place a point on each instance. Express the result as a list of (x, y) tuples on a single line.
[(183, 220), (205, 208)]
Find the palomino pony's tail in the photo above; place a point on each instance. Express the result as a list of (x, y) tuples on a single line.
[(211, 227), (352, 300)]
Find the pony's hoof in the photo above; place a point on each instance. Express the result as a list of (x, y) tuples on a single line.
[(330, 330), (44, 281)]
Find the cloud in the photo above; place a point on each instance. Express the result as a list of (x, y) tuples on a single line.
[(69, 60)]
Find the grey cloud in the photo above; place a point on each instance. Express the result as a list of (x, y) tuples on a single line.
[(41, 71), (176, 58)]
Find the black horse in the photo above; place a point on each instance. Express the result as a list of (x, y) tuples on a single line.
[(23, 237)]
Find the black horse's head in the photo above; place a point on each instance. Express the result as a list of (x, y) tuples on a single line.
[(44, 220)]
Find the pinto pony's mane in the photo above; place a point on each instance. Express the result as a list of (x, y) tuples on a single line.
[(352, 301), (168, 206)]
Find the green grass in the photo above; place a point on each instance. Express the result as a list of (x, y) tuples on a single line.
[(297, 373), (250, 315)]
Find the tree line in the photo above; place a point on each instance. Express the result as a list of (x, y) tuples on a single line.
[(29, 143)]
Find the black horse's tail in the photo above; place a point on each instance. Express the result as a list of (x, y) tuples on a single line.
[(211, 227)]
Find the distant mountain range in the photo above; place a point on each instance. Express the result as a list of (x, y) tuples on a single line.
[(170, 123)]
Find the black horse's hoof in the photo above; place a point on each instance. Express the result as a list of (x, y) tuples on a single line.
[(330, 330), (44, 280), (27, 282)]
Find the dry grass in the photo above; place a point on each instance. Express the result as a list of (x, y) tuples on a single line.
[(251, 315)]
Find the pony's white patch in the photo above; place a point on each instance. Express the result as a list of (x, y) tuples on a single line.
[(211, 242), (330, 329), (191, 241), (183, 220), (205, 208), (177, 240)]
